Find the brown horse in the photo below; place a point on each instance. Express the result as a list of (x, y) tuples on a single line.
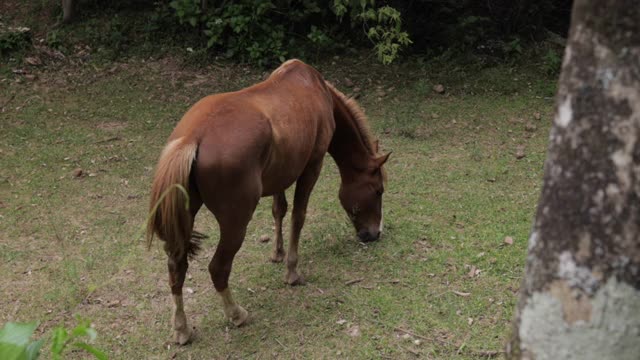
[(231, 149)]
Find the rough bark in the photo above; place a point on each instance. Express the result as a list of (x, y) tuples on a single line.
[(580, 296), (68, 10)]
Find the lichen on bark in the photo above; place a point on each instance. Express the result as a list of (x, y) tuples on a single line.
[(585, 239)]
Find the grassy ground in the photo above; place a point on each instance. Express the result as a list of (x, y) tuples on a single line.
[(440, 284)]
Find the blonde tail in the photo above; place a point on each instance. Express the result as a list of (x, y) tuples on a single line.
[(170, 218)]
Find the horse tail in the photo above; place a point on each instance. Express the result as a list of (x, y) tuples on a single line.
[(169, 214)]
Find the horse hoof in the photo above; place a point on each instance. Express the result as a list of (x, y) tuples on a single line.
[(294, 279), (239, 316), (277, 257), (183, 336)]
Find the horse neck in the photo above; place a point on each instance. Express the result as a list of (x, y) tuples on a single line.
[(348, 146)]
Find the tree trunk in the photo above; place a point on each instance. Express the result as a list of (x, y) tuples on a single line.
[(580, 296), (68, 10)]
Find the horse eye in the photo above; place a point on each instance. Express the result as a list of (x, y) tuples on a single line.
[(379, 192)]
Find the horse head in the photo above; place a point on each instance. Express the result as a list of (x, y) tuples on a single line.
[(361, 197)]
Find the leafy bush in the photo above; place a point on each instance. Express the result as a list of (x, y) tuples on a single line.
[(13, 39), (385, 31), (16, 343), (552, 62), (266, 31)]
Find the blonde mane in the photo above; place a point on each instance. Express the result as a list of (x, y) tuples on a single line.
[(360, 119)]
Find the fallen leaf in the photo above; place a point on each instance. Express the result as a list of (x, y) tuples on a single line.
[(439, 88), (341, 322), (460, 293), (33, 60), (348, 82), (354, 331), (472, 272), (354, 281), (77, 173), (264, 239), (537, 116), (520, 152), (470, 321), (508, 240)]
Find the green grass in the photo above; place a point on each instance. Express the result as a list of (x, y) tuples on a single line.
[(72, 246)]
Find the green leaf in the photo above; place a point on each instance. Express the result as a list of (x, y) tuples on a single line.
[(58, 341), (95, 352), (14, 340), (84, 329), (33, 350), (17, 333), (11, 351)]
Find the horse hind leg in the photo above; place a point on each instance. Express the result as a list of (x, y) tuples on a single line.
[(177, 271), (233, 221), (279, 210), (177, 267), (231, 238)]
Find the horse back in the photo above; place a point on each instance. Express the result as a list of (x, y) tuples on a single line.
[(271, 130)]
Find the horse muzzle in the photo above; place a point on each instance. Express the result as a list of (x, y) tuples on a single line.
[(368, 236)]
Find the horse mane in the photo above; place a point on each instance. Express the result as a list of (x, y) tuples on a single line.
[(360, 119), (361, 123)]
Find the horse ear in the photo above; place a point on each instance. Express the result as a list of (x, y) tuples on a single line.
[(380, 160)]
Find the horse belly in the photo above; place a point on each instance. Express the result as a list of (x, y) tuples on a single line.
[(279, 177), (288, 160)]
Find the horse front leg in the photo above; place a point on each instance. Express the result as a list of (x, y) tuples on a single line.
[(279, 210), (304, 185)]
